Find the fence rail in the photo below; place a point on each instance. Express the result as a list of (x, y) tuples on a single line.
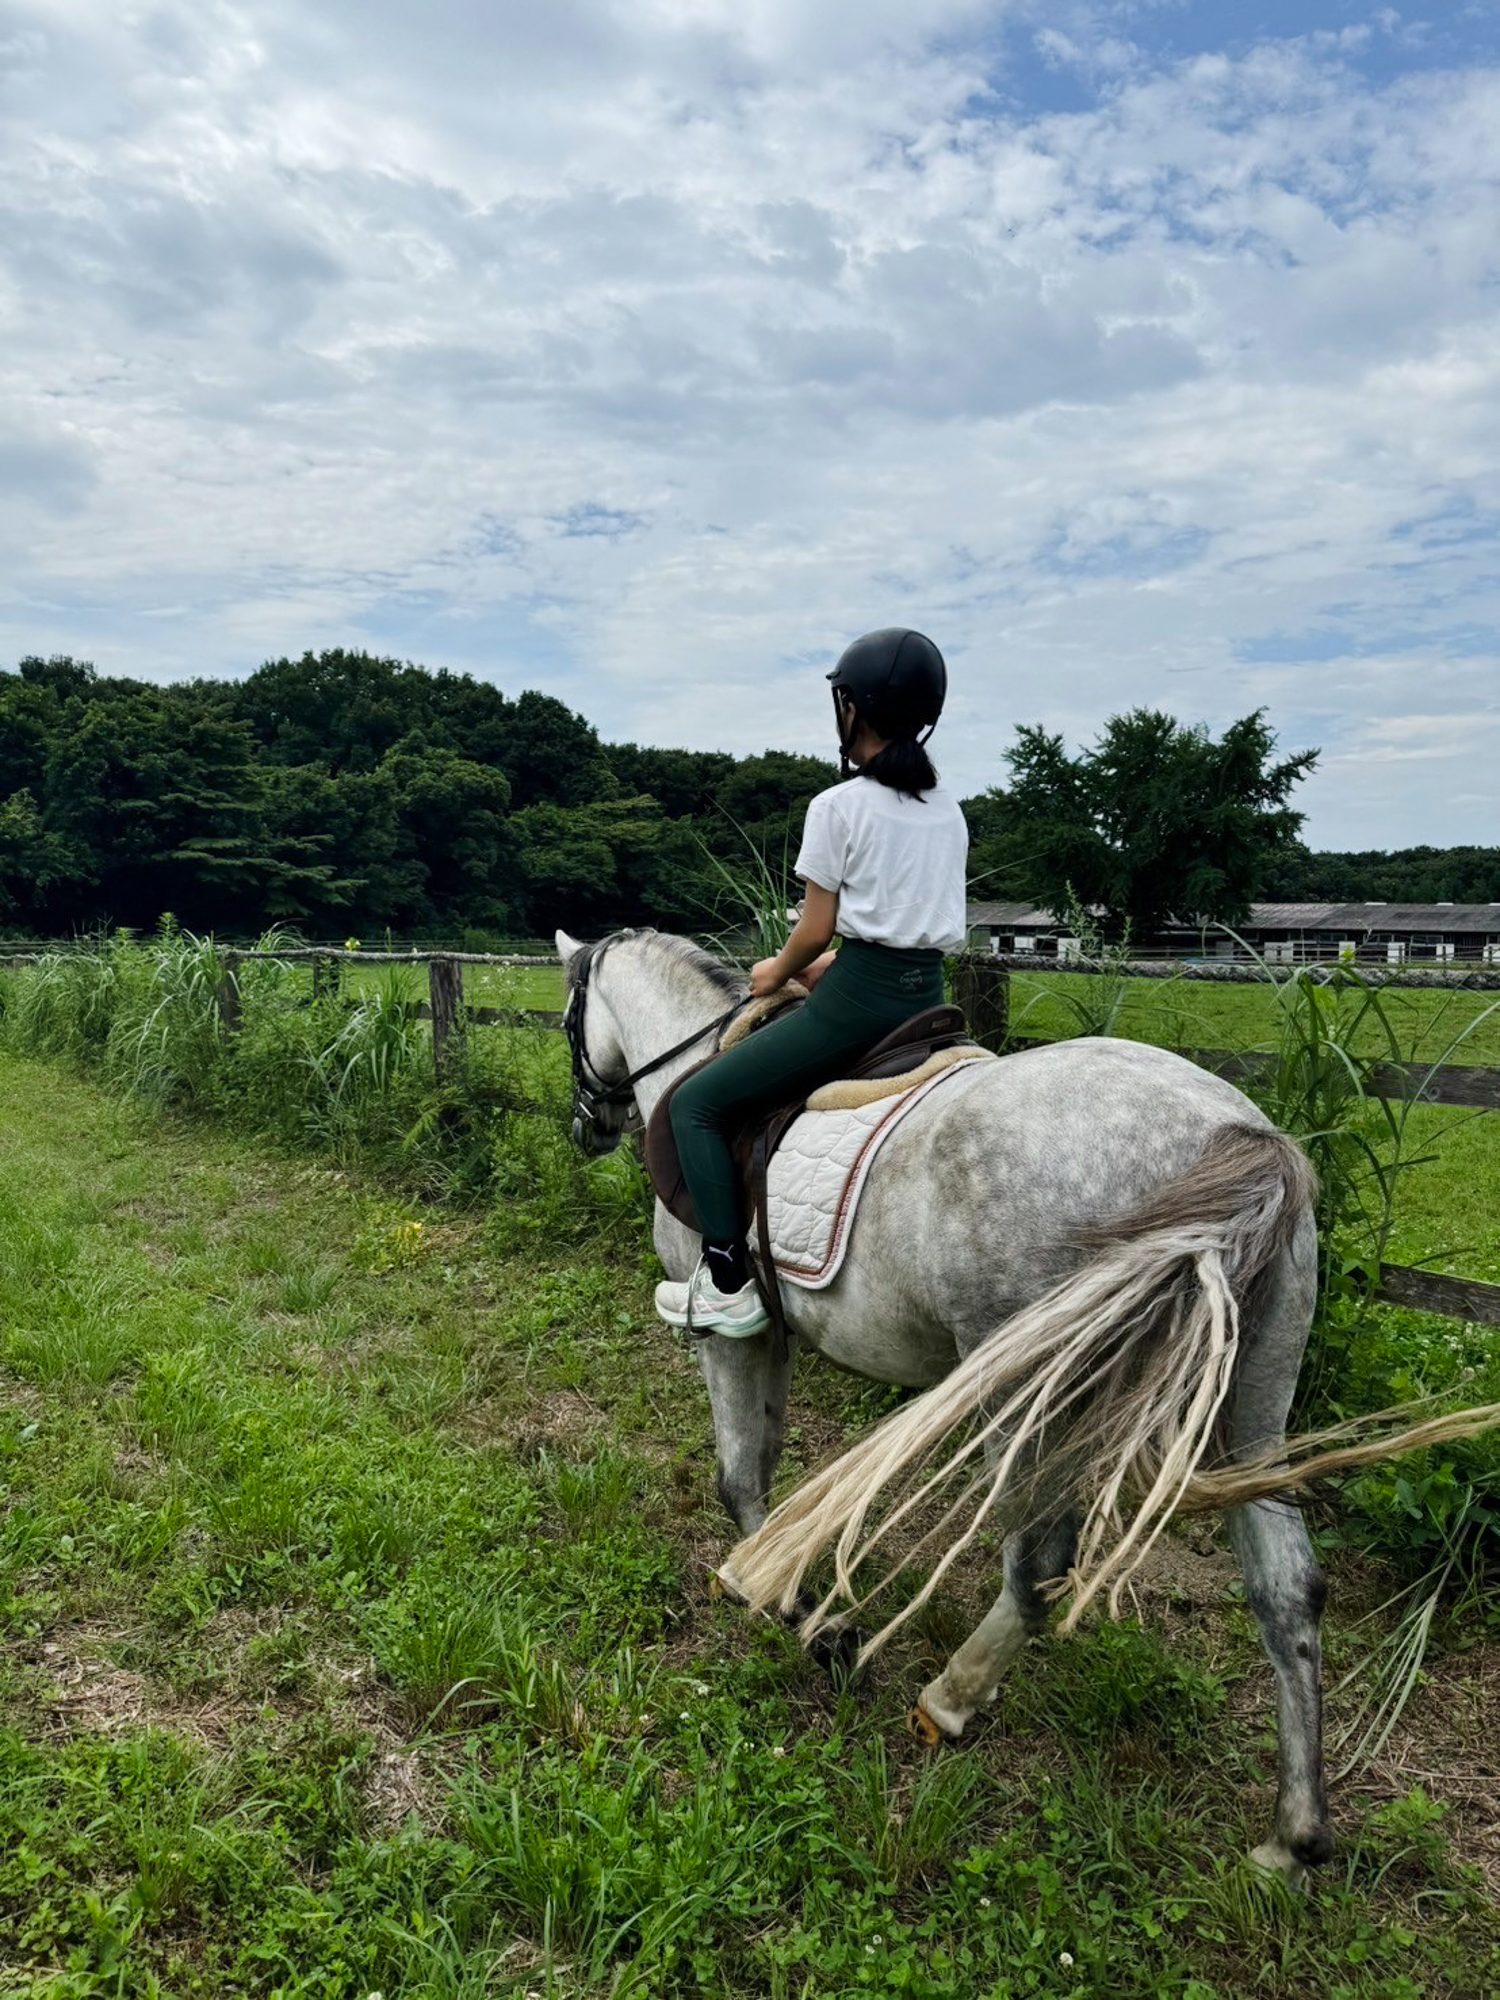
[(981, 986), (1459, 976)]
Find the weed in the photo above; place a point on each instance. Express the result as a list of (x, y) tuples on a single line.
[(1094, 1003), (910, 1831), (759, 895)]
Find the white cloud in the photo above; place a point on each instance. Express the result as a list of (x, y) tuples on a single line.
[(336, 326)]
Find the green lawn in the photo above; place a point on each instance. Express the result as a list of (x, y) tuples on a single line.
[(1448, 1208), (355, 1639), (484, 985), (1448, 1211), (1175, 1013), (1183, 1013)]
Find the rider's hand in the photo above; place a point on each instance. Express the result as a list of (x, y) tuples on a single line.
[(766, 977)]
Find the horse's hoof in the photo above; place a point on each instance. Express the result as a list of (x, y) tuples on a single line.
[(922, 1726), (716, 1591), (1271, 1858), (836, 1650)]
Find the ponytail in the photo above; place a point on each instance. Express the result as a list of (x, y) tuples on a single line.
[(903, 765)]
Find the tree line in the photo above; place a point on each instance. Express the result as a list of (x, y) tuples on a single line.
[(343, 792), (348, 793)]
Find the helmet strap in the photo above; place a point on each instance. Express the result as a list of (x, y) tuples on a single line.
[(844, 730)]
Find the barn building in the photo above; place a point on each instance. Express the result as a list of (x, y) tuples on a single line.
[(1283, 933)]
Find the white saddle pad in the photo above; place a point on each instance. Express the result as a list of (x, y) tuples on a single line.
[(817, 1176)]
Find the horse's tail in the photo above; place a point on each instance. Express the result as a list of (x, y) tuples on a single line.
[(1113, 1387)]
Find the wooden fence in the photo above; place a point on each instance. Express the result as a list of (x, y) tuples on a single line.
[(1459, 975), (981, 986)]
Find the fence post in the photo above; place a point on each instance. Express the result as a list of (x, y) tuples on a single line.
[(981, 986), (445, 978), (229, 992), (328, 977)]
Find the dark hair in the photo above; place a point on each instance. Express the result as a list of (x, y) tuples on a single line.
[(904, 766)]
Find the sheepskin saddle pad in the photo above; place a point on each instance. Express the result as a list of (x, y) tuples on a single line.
[(818, 1172)]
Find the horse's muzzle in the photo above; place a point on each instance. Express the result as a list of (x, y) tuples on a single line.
[(592, 1140)]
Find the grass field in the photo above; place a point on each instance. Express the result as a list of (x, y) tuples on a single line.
[(484, 985), (1174, 1013), (355, 1640), (1185, 1013), (1448, 1210)]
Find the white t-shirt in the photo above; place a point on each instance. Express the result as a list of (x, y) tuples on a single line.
[(898, 864)]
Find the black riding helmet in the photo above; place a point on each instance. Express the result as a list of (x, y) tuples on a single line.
[(897, 682)]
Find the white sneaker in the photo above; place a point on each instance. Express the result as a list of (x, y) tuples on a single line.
[(737, 1314)]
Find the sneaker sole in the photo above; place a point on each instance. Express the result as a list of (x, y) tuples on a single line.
[(739, 1329)]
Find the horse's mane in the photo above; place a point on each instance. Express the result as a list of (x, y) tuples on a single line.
[(677, 950)]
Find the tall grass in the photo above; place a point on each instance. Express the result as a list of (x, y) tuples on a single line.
[(344, 1071), (65, 1005), (758, 896), (1334, 1030), (166, 1041), (367, 1050), (1095, 1006), (1438, 1516)]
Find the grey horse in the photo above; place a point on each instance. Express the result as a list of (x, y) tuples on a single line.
[(1095, 1238)]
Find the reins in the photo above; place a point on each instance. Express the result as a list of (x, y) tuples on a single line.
[(590, 1091)]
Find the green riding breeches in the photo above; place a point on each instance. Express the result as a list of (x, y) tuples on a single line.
[(869, 990)]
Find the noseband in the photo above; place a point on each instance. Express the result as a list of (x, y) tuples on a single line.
[(591, 1094)]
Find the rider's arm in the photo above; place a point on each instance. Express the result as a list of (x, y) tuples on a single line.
[(811, 936)]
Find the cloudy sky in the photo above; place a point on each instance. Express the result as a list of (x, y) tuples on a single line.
[(1144, 352)]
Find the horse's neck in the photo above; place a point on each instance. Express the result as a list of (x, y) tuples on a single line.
[(662, 1006)]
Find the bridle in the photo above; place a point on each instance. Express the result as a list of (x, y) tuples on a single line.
[(591, 1094)]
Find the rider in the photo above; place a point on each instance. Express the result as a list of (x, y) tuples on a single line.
[(883, 858)]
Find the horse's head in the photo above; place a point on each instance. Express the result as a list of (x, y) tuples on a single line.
[(603, 1092), (678, 983)]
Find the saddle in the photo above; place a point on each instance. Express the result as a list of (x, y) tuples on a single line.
[(905, 1049)]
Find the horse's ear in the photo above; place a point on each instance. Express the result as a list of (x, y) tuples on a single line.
[(566, 946)]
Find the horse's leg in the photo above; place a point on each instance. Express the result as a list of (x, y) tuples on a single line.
[(1285, 1590), (1283, 1583), (1033, 1555), (747, 1391), (747, 1388)]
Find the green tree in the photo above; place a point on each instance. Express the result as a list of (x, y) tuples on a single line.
[(999, 860), (62, 675), (46, 872), (1408, 875), (591, 866), (770, 792), (161, 797), (553, 756), (36, 705), (339, 709), (33, 862), (1156, 820), (455, 817), (337, 854), (684, 783)]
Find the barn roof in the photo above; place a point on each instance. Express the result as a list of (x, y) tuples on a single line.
[(1359, 918), (1004, 915)]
